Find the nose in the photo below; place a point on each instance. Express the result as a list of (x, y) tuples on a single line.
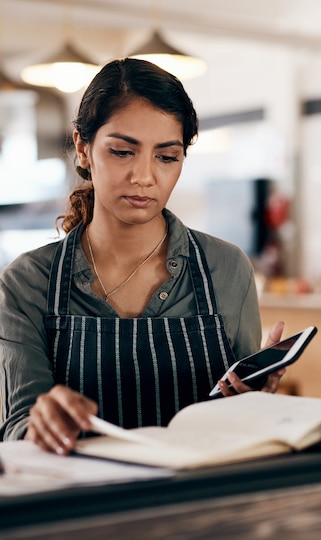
[(143, 173)]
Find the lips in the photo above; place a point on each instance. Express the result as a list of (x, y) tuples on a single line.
[(138, 202)]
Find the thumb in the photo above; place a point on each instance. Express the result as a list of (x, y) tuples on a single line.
[(275, 333)]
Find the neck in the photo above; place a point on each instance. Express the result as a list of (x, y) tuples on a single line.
[(108, 293), (125, 241)]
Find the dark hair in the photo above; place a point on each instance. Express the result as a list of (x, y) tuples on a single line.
[(112, 89)]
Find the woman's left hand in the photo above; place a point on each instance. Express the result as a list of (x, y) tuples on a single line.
[(272, 382)]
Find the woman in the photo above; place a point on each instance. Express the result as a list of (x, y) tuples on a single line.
[(131, 316)]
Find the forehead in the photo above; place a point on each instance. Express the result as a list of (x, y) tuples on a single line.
[(141, 115)]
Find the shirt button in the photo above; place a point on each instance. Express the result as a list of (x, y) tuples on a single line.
[(173, 264), (163, 295)]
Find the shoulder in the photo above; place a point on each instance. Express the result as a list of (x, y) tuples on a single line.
[(30, 268), (40, 256), (23, 296), (221, 253), (221, 256)]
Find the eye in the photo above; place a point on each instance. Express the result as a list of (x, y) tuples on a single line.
[(121, 153), (167, 159)]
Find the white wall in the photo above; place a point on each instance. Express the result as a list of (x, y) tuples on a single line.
[(245, 76)]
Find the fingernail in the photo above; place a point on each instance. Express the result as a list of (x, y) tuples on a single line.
[(67, 442), (60, 451)]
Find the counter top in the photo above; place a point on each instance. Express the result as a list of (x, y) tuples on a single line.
[(236, 501), (296, 301)]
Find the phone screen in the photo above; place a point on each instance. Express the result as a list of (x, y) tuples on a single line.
[(254, 369), (265, 357)]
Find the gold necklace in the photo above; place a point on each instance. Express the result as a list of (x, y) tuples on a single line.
[(134, 272)]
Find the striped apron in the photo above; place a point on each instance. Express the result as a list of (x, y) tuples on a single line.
[(140, 371)]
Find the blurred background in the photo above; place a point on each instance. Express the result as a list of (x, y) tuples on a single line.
[(254, 176)]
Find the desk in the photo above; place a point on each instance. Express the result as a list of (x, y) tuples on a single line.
[(278, 498)]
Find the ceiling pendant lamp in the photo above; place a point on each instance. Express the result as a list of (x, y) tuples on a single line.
[(67, 70), (7, 84), (158, 51)]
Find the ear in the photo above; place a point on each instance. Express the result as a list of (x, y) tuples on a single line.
[(82, 150)]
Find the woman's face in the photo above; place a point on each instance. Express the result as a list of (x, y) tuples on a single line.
[(135, 161)]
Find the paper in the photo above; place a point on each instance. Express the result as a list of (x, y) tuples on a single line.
[(29, 469)]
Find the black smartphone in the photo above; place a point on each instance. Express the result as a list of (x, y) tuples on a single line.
[(254, 369)]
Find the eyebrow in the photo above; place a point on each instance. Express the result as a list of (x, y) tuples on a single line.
[(131, 140)]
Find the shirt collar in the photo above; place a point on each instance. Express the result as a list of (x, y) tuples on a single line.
[(178, 243)]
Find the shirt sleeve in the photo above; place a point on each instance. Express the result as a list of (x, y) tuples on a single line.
[(249, 331), (25, 369), (236, 294)]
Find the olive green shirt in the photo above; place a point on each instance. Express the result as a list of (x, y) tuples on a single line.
[(25, 369)]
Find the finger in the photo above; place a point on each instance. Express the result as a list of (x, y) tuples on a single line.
[(273, 381), (77, 406), (57, 418), (226, 391), (237, 386), (51, 428), (275, 333), (40, 439), (32, 435)]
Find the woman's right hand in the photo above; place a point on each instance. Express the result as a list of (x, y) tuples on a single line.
[(57, 418)]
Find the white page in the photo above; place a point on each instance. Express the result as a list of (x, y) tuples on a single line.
[(252, 413), (31, 469), (247, 425)]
